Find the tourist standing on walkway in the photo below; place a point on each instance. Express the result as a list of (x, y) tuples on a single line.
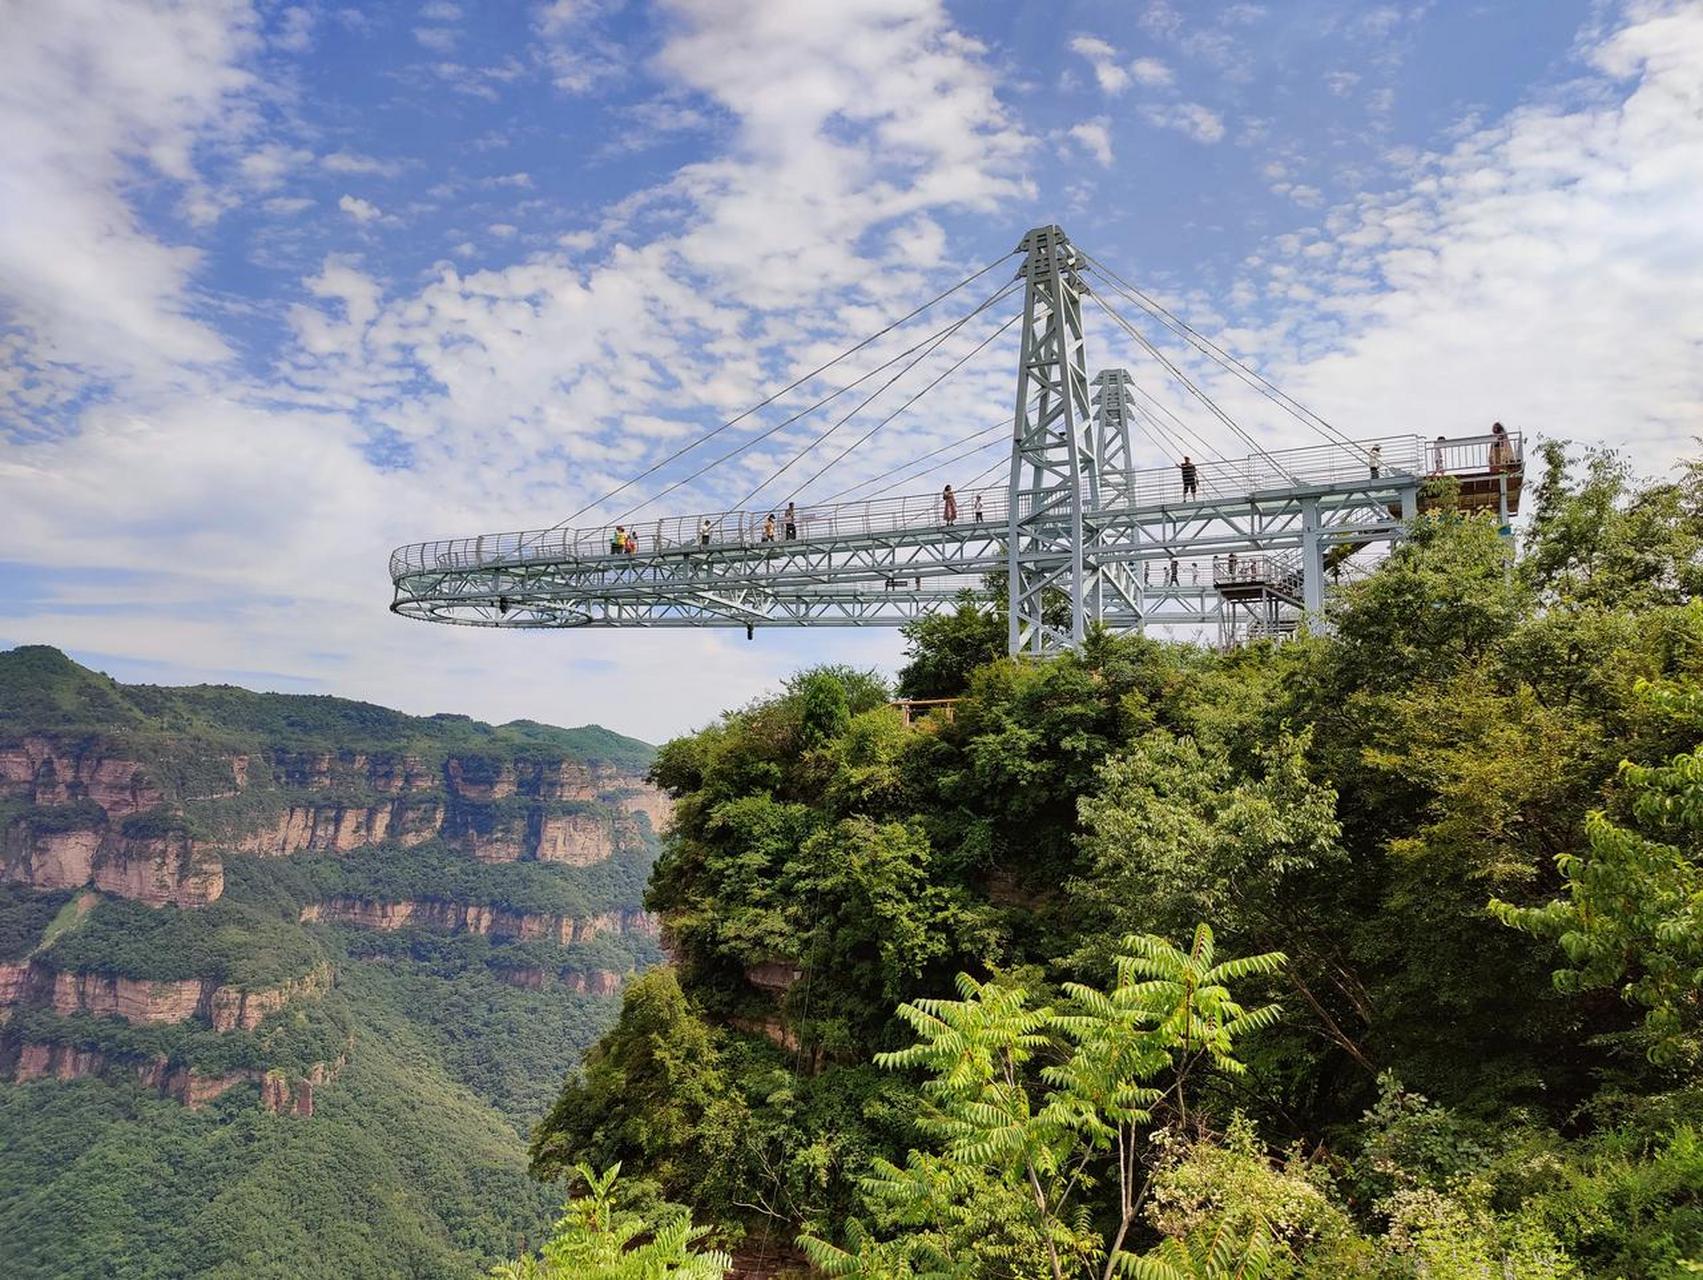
[(769, 528), (1191, 478), (949, 503), (1501, 452), (791, 522), (1375, 460), (976, 509), (704, 532)]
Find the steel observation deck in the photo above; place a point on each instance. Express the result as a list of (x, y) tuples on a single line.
[(1158, 558)]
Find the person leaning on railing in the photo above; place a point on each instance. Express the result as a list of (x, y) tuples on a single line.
[(1501, 450)]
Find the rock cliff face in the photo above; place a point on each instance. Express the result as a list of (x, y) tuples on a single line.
[(597, 982), (144, 1003), (578, 839), (151, 869), (341, 828), (46, 773), (176, 799), (194, 1089), (85, 792), (462, 917)]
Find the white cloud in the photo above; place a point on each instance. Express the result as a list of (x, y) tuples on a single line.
[(362, 211), (94, 95), (1094, 137), (1151, 72), (847, 137), (268, 165), (295, 29), (1541, 272), (348, 162), (440, 11), (1111, 77), (1188, 118), (437, 39), (845, 133)]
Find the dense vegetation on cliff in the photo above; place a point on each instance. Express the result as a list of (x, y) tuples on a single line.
[(1478, 930), (284, 980)]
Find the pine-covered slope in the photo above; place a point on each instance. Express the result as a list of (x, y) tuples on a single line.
[(283, 979)]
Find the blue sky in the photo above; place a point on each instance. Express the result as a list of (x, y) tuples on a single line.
[(284, 285)]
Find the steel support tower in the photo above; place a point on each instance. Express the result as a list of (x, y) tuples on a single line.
[(1044, 534)]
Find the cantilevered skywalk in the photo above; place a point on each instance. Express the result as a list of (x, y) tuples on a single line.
[(1075, 535)]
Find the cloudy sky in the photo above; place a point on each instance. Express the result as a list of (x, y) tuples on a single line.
[(285, 285)]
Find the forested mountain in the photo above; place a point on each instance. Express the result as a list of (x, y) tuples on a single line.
[(286, 979), (942, 1002)]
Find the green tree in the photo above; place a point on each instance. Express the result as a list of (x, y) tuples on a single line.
[(595, 1239), (647, 1091), (1004, 1192), (943, 648), (1632, 917)]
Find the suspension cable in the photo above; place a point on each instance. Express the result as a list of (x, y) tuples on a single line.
[(1249, 375), (933, 346), (1170, 366), (1000, 426), (956, 458), (782, 425), (861, 440), (790, 387)]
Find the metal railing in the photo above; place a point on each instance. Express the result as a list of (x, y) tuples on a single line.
[(978, 512), (1282, 571)]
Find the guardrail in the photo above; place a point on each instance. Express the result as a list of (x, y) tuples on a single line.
[(976, 510)]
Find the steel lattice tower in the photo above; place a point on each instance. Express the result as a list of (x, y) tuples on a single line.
[(1048, 440)]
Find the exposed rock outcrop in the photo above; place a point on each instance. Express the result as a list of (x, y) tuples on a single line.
[(141, 1002), (652, 802), (231, 1008), (340, 828), (774, 976), (577, 839), (15, 982), (50, 774), (596, 982), (461, 917), (137, 1002), (194, 1089), (151, 869)]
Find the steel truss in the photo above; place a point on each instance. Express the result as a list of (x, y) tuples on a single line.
[(1076, 530)]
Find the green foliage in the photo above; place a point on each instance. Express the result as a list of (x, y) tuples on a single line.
[(1601, 542), (1003, 1191), (943, 648), (43, 691), (412, 1163), (596, 1240), (1633, 915), (1354, 799), (226, 943), (645, 1091), (437, 871), (24, 917)]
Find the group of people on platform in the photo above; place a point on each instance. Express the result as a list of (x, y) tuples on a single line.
[(949, 506), (1502, 458)]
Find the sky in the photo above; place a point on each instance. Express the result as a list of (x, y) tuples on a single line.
[(283, 286)]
